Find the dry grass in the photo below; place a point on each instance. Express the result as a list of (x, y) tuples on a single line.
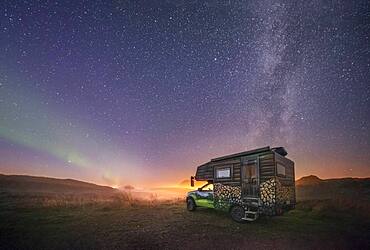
[(333, 207), (75, 200)]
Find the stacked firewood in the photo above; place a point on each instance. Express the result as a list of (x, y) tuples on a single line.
[(275, 196), (224, 195), (267, 189), (284, 194), (268, 196), (272, 193)]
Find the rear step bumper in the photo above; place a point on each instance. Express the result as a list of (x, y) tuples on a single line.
[(250, 216)]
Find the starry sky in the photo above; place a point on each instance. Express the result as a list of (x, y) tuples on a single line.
[(141, 92)]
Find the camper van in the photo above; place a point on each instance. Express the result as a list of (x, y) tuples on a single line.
[(247, 184)]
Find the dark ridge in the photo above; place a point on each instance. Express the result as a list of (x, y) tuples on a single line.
[(25, 183)]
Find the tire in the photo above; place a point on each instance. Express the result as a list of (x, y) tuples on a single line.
[(237, 213), (190, 204)]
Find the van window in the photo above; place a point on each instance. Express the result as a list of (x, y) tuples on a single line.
[(209, 187), (280, 169), (223, 173)]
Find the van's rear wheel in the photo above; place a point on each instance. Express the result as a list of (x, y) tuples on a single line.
[(190, 204), (237, 213)]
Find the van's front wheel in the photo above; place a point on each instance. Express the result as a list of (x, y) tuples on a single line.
[(237, 213), (190, 204)]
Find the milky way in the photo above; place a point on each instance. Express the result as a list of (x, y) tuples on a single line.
[(135, 91)]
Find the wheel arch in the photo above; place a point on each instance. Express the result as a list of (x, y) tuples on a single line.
[(190, 197), (233, 204)]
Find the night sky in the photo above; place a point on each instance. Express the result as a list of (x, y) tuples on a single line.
[(141, 92)]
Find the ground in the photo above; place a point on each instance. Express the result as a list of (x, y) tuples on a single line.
[(47, 213), (169, 225)]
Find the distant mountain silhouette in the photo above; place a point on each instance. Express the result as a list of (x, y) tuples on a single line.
[(25, 183), (308, 180), (311, 187), (185, 183)]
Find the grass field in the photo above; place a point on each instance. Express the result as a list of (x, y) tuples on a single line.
[(44, 213), (168, 225)]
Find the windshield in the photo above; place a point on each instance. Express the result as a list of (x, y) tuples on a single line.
[(207, 187)]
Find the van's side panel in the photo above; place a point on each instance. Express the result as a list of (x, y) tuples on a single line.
[(286, 188), (267, 166)]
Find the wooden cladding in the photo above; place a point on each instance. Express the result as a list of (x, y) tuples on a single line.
[(209, 171), (289, 177), (267, 163), (204, 173), (267, 166)]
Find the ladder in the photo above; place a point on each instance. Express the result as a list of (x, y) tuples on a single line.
[(251, 215)]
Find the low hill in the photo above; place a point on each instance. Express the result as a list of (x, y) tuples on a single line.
[(185, 183), (34, 184), (308, 180), (311, 187)]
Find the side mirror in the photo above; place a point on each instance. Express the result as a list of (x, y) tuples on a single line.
[(192, 181)]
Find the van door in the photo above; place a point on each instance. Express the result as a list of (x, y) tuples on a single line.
[(204, 196), (250, 178)]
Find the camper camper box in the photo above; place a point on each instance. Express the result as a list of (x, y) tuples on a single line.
[(247, 184)]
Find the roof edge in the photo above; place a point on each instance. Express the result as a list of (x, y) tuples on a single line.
[(254, 151)]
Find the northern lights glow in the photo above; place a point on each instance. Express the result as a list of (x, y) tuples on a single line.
[(27, 122)]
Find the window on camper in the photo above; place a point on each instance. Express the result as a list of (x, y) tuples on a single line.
[(280, 169), (223, 173)]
